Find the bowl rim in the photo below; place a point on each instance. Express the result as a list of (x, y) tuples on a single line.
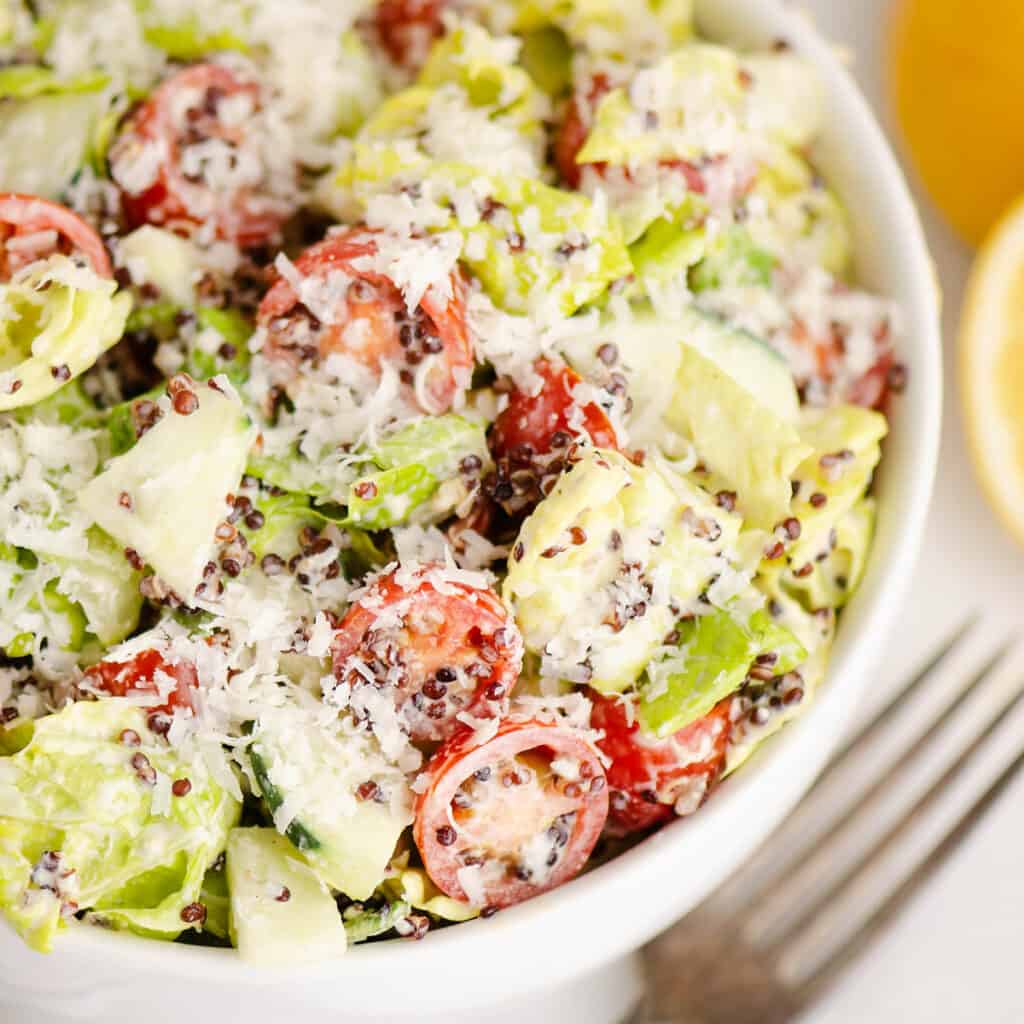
[(575, 918)]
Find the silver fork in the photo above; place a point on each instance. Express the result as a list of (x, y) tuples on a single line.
[(770, 941)]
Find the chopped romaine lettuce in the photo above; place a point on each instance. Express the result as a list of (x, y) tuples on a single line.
[(715, 652), (815, 632), (364, 922), (536, 247), (23, 81), (599, 566), (836, 570), (88, 821), (61, 318), (419, 475), (46, 139), (744, 442)]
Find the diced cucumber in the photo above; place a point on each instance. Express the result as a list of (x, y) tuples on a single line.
[(281, 913), (166, 495), (751, 362), (347, 841), (161, 258)]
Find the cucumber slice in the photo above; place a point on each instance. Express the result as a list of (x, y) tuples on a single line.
[(346, 840), (281, 913), (165, 496), (751, 362), (163, 259)]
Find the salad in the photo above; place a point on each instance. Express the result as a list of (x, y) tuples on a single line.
[(436, 442)]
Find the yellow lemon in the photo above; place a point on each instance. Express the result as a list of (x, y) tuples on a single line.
[(992, 368), (955, 73)]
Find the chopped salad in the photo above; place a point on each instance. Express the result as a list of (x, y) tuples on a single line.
[(436, 442)]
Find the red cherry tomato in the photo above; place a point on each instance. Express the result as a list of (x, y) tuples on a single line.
[(575, 128), (370, 323), (437, 647), (535, 424), (407, 28), (507, 819), (872, 389), (149, 672), (32, 228), (195, 120), (651, 780)]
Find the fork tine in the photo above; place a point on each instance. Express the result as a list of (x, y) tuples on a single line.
[(769, 869), (903, 694), (884, 914), (881, 846)]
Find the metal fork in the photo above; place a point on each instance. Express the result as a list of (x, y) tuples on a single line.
[(770, 941)]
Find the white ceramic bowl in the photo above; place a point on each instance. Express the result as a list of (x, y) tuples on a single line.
[(576, 932)]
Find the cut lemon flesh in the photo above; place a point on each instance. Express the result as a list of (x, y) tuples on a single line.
[(992, 368)]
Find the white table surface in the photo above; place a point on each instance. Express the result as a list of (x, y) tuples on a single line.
[(954, 955)]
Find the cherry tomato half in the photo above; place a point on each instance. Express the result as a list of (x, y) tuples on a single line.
[(179, 162), (872, 389), (436, 646), (370, 323), (32, 228), (407, 28), (507, 819), (149, 672), (652, 780), (535, 424)]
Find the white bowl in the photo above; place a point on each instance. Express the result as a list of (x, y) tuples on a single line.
[(579, 929)]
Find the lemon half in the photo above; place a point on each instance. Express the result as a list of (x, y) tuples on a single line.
[(992, 368)]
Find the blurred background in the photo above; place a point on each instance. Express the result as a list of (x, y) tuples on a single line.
[(942, 75)]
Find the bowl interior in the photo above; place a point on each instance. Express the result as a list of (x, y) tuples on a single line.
[(620, 905)]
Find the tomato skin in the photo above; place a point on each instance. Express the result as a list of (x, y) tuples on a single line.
[(575, 128), (22, 214), (438, 324), (406, 28), (241, 215), (535, 420), (463, 755), (454, 648), (872, 390), (123, 678), (646, 773)]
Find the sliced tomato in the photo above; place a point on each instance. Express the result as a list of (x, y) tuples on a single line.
[(575, 128), (535, 424), (193, 120), (511, 817), (149, 672), (437, 647), (369, 321), (32, 228), (653, 780), (407, 28), (871, 389)]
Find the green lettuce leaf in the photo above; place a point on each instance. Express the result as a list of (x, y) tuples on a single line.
[(136, 854), (542, 245), (419, 473), (63, 315), (716, 652), (577, 575)]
